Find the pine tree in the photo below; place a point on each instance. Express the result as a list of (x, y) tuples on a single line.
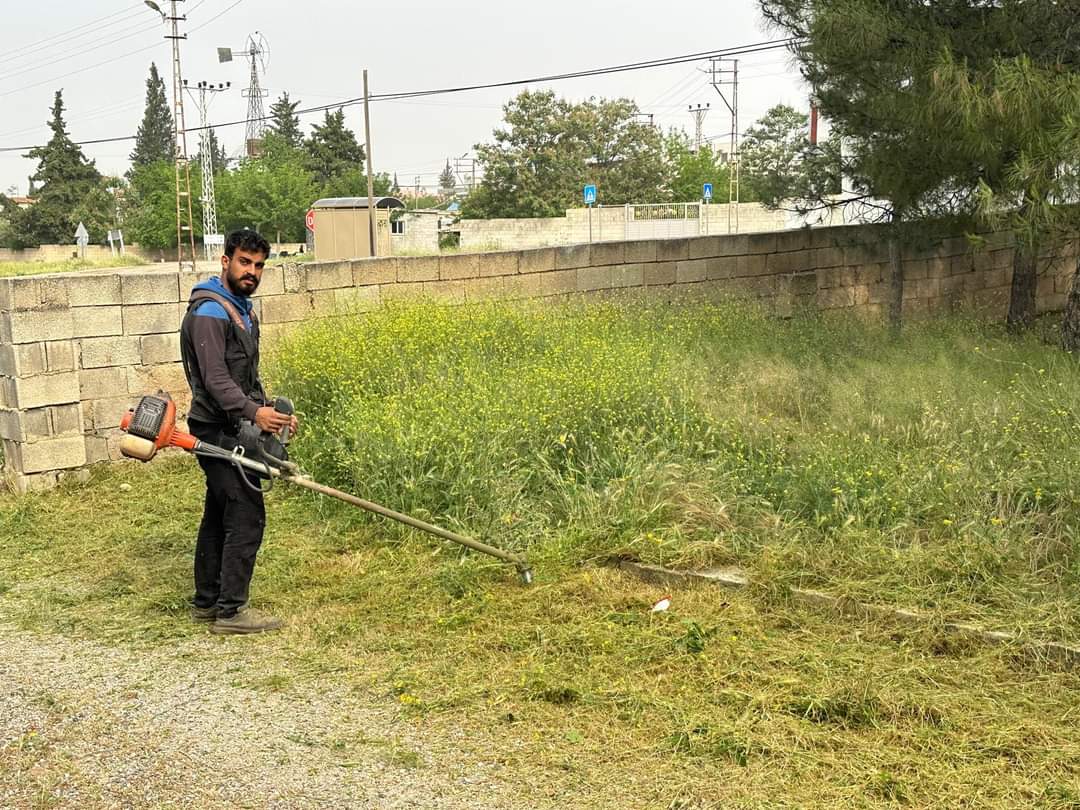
[(63, 182), (285, 122), (447, 181), (332, 149), (154, 140), (395, 188)]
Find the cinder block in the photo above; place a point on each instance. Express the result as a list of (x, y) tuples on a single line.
[(594, 278), (91, 291), (271, 283), (672, 250), (98, 383), (720, 267), (11, 425), (827, 257), (538, 260), (60, 355), (46, 389), (288, 307), (705, 247), (751, 265), (146, 319), (36, 424), (459, 266), (329, 275), (558, 282), (452, 292), (793, 241), (97, 449), (486, 289), (188, 280), (347, 300), (163, 348), (574, 256), (19, 293), (961, 264), (793, 262), (147, 379), (627, 275), (149, 288), (32, 326), (403, 291), (643, 250), (374, 271), (295, 279), (836, 298), (608, 253), (504, 263), (65, 419), (106, 413), (418, 268), (53, 454), (658, 273), (22, 359), (690, 271), (100, 321), (109, 351), (736, 245), (757, 243)]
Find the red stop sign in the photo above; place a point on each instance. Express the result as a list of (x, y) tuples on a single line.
[(309, 221)]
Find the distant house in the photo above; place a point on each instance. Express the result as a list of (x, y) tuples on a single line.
[(23, 202)]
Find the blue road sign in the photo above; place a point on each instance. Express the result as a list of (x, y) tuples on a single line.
[(706, 191), (590, 194)]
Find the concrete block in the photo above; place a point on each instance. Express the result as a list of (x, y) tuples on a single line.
[(53, 454), (827, 257), (46, 389), (643, 250), (7, 393), (92, 291), (288, 307), (98, 383), (504, 263), (487, 289), (328, 275), (595, 278), (559, 282), (106, 413), (672, 250), (758, 243), (793, 262), (836, 298), (35, 424), (530, 285), (11, 425), (659, 273), (412, 269), (574, 256), (97, 449), (720, 267), (736, 245), (149, 288), (188, 280), (148, 379), (793, 241), (65, 419), (961, 264), (628, 275), (374, 271), (19, 293), (801, 285), (705, 247), (100, 321), (403, 291), (687, 272), (32, 326), (462, 265), (867, 274), (916, 269), (145, 319), (295, 279), (450, 292), (109, 351), (539, 260), (163, 348), (751, 265), (22, 359), (271, 283), (60, 355), (347, 300), (605, 253)]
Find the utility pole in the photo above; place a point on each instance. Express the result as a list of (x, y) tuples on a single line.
[(209, 203), (256, 51), (416, 198), (724, 77), (465, 168), (185, 231), (370, 177), (699, 114)]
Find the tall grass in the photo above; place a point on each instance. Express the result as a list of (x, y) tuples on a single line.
[(33, 268), (937, 469)]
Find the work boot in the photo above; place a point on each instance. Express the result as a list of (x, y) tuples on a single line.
[(247, 620), (207, 614)]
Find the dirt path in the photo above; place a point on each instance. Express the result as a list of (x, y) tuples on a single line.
[(91, 726)]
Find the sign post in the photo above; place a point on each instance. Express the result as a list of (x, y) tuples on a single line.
[(590, 200), (706, 194), (81, 239), (116, 236)]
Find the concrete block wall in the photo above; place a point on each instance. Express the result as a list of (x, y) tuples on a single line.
[(76, 350)]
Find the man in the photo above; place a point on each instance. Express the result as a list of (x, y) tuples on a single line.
[(219, 343)]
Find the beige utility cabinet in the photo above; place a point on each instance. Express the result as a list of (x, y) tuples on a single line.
[(341, 227)]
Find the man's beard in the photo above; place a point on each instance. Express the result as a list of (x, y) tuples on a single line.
[(235, 285)]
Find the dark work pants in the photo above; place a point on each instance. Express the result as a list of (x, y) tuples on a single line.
[(230, 533)]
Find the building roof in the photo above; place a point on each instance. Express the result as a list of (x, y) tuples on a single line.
[(358, 202)]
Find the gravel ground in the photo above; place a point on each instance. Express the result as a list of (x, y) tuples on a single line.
[(92, 726)]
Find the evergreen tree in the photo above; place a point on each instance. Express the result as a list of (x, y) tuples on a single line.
[(154, 140), (285, 122), (332, 149), (447, 181), (63, 183), (395, 189)]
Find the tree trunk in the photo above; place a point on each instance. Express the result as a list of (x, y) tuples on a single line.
[(1070, 324), (896, 284), (1022, 298)]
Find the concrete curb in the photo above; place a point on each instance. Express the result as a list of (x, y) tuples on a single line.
[(1062, 656)]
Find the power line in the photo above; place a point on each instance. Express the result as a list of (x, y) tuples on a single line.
[(756, 47), (16, 53), (137, 30)]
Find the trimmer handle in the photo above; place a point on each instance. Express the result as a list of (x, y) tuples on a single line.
[(284, 406)]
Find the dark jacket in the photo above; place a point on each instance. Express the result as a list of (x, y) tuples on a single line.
[(221, 358)]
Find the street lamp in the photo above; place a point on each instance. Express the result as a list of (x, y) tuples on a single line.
[(156, 8)]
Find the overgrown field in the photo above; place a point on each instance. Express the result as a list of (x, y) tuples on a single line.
[(33, 268), (931, 471)]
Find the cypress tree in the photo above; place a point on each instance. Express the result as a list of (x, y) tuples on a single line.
[(154, 139), (285, 122)]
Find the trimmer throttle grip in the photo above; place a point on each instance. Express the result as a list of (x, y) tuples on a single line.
[(284, 406)]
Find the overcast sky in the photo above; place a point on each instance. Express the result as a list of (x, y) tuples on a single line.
[(318, 49)]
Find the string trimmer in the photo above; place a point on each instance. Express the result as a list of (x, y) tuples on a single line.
[(151, 426)]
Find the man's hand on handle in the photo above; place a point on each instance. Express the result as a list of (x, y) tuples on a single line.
[(271, 421)]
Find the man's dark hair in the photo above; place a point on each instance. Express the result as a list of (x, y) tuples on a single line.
[(247, 240)]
